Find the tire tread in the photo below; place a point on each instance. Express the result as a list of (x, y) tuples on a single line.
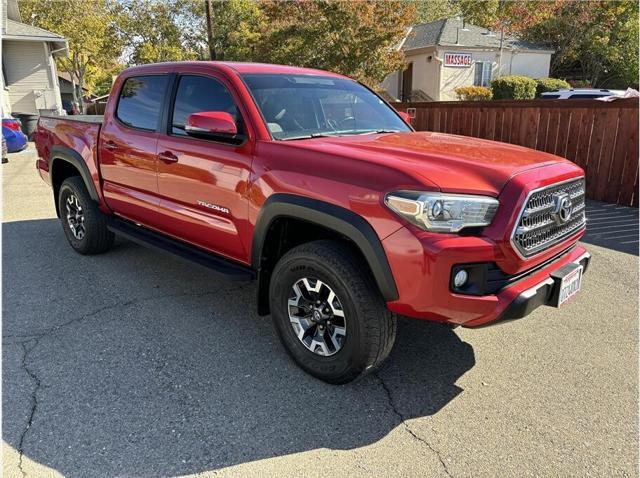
[(98, 237), (379, 323)]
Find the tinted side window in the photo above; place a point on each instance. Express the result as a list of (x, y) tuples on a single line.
[(550, 97), (140, 101), (198, 93), (581, 96)]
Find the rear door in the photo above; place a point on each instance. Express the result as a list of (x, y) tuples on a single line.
[(127, 147), (203, 183)]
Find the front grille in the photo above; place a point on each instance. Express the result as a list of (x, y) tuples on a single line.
[(539, 226)]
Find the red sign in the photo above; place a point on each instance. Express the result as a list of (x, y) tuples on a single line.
[(459, 60)]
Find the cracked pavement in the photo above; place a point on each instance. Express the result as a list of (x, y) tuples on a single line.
[(133, 363)]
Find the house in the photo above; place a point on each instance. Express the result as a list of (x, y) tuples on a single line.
[(29, 76), (67, 86), (449, 53)]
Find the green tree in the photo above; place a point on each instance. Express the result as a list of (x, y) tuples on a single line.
[(508, 16), (597, 39), (482, 13), (237, 28), (622, 66), (430, 10), (90, 28), (156, 31), (176, 30), (353, 38)]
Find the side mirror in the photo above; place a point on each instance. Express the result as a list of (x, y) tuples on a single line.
[(211, 123), (405, 116)]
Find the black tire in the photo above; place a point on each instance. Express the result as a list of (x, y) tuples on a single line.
[(97, 238), (370, 326)]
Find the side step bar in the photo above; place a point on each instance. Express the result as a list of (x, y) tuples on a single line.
[(220, 265)]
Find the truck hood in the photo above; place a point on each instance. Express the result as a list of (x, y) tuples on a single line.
[(451, 163)]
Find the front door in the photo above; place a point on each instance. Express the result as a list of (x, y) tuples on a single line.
[(407, 83), (202, 183), (127, 149)]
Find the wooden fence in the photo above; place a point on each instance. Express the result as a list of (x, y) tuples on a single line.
[(600, 137), (96, 108)]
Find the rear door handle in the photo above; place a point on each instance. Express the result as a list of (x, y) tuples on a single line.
[(168, 157), (110, 146)]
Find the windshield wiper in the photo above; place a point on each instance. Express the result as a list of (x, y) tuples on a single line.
[(379, 131), (341, 133), (309, 136)]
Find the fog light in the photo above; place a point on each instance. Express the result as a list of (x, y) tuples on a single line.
[(460, 278)]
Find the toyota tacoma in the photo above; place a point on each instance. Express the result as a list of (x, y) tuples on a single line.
[(311, 184)]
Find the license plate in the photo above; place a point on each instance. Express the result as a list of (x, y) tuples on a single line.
[(570, 285)]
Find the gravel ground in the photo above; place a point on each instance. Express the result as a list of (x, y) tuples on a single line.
[(133, 363)]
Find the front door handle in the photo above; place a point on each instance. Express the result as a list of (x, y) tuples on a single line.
[(110, 145), (168, 157)]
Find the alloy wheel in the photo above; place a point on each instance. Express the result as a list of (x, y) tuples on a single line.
[(317, 316), (75, 217)]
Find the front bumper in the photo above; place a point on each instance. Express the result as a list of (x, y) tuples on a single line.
[(422, 267), (540, 294)]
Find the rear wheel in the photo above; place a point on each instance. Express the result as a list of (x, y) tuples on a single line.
[(83, 223), (328, 312)]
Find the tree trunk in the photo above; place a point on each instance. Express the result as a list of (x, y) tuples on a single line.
[(81, 72), (74, 87), (209, 11), (74, 75)]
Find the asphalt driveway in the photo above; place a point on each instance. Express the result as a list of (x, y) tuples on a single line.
[(133, 363)]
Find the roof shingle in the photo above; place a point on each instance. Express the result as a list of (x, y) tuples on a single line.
[(445, 32), (17, 29)]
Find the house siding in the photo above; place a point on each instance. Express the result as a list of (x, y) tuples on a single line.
[(453, 77), (525, 63), (391, 84), (27, 70), (439, 82), (533, 65), (426, 74)]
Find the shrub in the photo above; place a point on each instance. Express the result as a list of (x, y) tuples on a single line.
[(513, 88), (580, 83), (473, 93), (550, 84)]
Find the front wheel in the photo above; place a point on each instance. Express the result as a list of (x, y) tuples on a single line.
[(328, 313)]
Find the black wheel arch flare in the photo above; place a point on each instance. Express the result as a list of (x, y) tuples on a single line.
[(61, 153), (330, 216)]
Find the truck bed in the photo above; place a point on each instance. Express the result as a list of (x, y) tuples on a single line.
[(73, 139)]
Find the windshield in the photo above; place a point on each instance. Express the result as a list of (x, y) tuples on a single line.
[(307, 106)]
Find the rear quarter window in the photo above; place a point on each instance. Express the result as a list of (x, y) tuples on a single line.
[(140, 101)]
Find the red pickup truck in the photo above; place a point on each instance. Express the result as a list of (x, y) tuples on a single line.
[(310, 183)]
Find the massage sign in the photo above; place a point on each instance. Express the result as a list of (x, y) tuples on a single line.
[(458, 60)]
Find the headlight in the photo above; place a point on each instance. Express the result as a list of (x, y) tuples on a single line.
[(439, 212)]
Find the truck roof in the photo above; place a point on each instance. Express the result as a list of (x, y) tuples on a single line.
[(238, 67)]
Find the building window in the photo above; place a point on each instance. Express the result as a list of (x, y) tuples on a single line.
[(482, 76)]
